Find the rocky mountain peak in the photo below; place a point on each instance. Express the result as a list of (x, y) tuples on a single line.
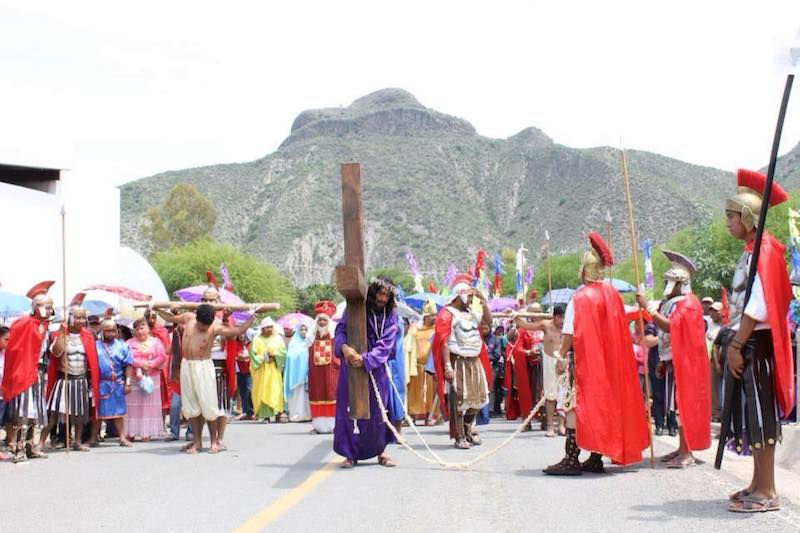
[(383, 112)]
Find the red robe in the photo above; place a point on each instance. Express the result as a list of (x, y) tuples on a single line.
[(442, 329), (520, 406), (322, 378), (778, 295), (22, 356), (611, 418), (233, 347), (692, 371), (161, 333), (54, 369)]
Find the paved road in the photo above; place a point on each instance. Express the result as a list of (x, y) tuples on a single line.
[(278, 474)]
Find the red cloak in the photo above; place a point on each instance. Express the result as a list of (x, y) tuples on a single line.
[(692, 371), (54, 368), (22, 356), (777, 295), (522, 405), (233, 347), (442, 329), (610, 413), (161, 333)]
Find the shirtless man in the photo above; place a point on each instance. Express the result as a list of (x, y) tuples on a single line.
[(551, 328), (197, 376)]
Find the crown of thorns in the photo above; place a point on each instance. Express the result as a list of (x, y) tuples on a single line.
[(385, 285)]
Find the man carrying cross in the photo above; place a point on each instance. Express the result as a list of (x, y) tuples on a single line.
[(373, 433)]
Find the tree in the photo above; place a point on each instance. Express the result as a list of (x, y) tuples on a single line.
[(308, 296), (253, 280), (184, 217)]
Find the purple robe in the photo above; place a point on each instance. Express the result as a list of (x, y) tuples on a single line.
[(373, 435)]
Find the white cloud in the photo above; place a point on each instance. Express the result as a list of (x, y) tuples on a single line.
[(120, 94)]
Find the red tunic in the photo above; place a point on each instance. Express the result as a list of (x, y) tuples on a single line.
[(323, 377), (442, 329), (778, 295), (90, 347), (22, 356), (610, 413), (161, 333), (692, 371), (520, 406)]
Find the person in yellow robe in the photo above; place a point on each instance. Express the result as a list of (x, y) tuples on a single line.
[(267, 357), (421, 387)]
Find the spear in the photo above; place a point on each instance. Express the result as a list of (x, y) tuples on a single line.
[(64, 361), (635, 257), (549, 277), (732, 384), (609, 220)]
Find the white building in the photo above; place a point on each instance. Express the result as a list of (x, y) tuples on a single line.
[(31, 203)]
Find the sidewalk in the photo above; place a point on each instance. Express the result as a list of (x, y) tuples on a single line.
[(787, 460)]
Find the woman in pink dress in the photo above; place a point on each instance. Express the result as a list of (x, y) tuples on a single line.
[(145, 419)]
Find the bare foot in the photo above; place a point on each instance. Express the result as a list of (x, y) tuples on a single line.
[(125, 443), (550, 433), (190, 448), (214, 448), (5, 456), (222, 446), (80, 448)]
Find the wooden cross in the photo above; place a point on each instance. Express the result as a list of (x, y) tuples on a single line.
[(351, 284)]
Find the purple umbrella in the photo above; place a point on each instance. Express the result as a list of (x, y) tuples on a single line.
[(193, 294), (497, 305), (295, 320)]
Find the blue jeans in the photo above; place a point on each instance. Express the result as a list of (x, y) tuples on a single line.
[(245, 385), (175, 417)]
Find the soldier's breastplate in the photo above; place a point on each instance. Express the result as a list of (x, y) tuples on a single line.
[(738, 289)]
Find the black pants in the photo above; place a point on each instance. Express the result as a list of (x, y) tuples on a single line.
[(498, 390)]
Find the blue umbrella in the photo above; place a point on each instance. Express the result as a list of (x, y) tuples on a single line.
[(416, 301), (620, 284), (558, 296), (12, 304)]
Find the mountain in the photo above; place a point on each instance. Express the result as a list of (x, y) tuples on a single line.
[(431, 185)]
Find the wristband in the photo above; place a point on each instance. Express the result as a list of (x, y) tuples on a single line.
[(736, 344)]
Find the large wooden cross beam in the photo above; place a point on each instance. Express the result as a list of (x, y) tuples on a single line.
[(351, 284)]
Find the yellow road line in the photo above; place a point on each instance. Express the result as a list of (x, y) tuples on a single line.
[(270, 513)]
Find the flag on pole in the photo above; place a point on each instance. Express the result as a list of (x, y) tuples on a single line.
[(520, 265), (226, 277), (649, 282), (498, 274), (412, 266)]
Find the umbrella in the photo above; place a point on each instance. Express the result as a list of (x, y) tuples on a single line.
[(96, 301), (12, 304), (501, 304), (194, 294), (295, 320), (416, 301), (620, 284), (558, 296)]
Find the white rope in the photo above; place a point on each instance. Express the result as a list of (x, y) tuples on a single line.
[(562, 380)]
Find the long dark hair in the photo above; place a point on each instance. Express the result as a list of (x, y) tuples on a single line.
[(375, 287)]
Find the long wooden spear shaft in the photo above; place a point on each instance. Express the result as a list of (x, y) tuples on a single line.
[(64, 361), (635, 256), (549, 276), (731, 383)]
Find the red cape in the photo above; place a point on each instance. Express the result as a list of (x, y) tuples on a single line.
[(610, 413), (53, 368), (521, 407), (441, 333), (692, 371), (233, 347), (161, 333), (22, 356), (778, 295)]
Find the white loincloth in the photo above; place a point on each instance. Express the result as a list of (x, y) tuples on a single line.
[(199, 389), (549, 378)]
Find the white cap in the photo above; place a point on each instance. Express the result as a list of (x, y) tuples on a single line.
[(267, 323)]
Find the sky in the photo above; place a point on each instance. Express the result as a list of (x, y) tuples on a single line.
[(118, 91)]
